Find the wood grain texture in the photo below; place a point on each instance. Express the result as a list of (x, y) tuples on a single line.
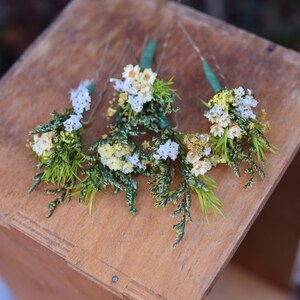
[(112, 242), (271, 245)]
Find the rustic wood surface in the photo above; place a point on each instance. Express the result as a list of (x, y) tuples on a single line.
[(271, 245), (112, 242)]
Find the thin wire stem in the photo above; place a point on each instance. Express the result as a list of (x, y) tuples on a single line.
[(191, 41), (167, 36), (132, 56), (102, 60), (214, 58), (104, 87)]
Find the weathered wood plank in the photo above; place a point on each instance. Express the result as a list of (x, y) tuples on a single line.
[(112, 242)]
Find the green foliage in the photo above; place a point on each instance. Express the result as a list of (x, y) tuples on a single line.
[(97, 176), (164, 94), (163, 173), (60, 166)]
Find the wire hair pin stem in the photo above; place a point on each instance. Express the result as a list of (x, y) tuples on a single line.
[(104, 88)]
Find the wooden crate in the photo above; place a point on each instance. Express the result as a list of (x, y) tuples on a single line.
[(73, 256)]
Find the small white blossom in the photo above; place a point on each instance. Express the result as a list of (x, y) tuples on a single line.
[(239, 92), (131, 73), (169, 149), (145, 93), (244, 103), (234, 131), (118, 84), (206, 150), (214, 114), (147, 76), (135, 160), (136, 103), (73, 123), (224, 120), (201, 167), (42, 143), (80, 97), (216, 130)]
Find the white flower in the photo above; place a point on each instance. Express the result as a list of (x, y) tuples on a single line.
[(145, 93), (136, 103), (80, 97), (216, 130), (42, 143), (239, 92), (169, 149), (201, 167), (118, 84), (244, 103), (147, 76), (206, 150), (192, 157), (131, 73), (234, 131), (214, 114), (134, 158), (224, 120), (73, 123)]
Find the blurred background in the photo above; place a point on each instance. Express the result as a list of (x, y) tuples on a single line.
[(21, 21)]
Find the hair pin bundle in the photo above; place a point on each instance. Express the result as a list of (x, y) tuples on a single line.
[(178, 164)]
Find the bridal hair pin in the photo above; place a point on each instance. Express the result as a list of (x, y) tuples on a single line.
[(237, 134), (58, 145), (139, 106)]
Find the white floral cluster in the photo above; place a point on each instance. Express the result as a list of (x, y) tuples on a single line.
[(219, 118), (119, 158), (81, 102), (42, 143), (244, 103), (169, 149), (137, 84)]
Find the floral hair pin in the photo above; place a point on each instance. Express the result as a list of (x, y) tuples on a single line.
[(140, 105), (187, 158), (58, 144), (237, 134)]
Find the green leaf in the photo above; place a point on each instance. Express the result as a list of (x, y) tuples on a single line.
[(148, 55)]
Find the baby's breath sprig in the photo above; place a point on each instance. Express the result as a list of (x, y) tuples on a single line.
[(185, 158)]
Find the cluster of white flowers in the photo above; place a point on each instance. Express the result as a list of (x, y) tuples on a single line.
[(81, 102), (219, 118), (135, 160), (244, 103), (42, 143), (169, 149), (137, 84), (119, 158)]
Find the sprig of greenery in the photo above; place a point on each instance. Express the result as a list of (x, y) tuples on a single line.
[(163, 174), (60, 166)]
